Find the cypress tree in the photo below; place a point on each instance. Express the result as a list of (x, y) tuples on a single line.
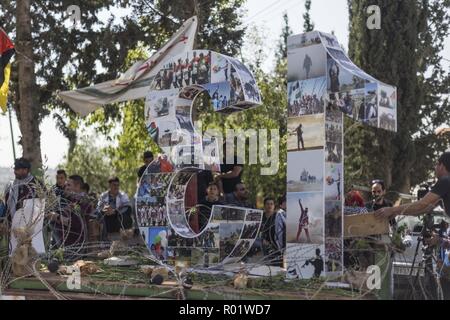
[(404, 53)]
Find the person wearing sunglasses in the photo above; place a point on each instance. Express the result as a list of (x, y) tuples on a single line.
[(239, 197)]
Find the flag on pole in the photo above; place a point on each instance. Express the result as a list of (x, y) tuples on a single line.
[(135, 82), (6, 52)]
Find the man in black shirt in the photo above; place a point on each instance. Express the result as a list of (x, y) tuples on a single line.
[(440, 191), (379, 201), (230, 175)]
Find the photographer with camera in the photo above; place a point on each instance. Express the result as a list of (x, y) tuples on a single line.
[(439, 192)]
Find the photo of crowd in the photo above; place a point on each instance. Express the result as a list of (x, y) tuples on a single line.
[(253, 215), (191, 68), (220, 94), (306, 97), (304, 261), (333, 112), (227, 214), (151, 215)]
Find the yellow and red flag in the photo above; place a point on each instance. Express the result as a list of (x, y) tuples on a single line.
[(6, 52)]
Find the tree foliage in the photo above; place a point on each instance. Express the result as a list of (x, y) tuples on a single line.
[(92, 163), (405, 53)]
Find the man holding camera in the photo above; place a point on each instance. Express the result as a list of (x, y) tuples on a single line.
[(439, 192)]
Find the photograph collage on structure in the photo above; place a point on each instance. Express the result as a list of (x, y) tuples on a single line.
[(230, 234), (191, 68)]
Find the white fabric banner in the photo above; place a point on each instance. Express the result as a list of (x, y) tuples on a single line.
[(135, 82)]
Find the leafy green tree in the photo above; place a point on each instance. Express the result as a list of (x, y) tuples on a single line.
[(92, 163), (51, 56)]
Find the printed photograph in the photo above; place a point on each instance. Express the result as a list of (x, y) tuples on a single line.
[(303, 40), (306, 132), (333, 152), (333, 255), (307, 63), (304, 218), (304, 261), (333, 181), (305, 171), (306, 97), (333, 219), (340, 79)]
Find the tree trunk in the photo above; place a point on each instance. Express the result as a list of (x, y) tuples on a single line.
[(27, 107)]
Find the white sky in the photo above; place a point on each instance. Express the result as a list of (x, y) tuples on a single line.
[(267, 15)]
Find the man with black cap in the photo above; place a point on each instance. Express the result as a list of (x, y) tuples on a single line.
[(22, 188)]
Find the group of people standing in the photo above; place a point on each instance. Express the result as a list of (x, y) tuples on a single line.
[(185, 72), (73, 215)]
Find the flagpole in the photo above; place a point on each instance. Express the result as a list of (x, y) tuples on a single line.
[(12, 133)]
